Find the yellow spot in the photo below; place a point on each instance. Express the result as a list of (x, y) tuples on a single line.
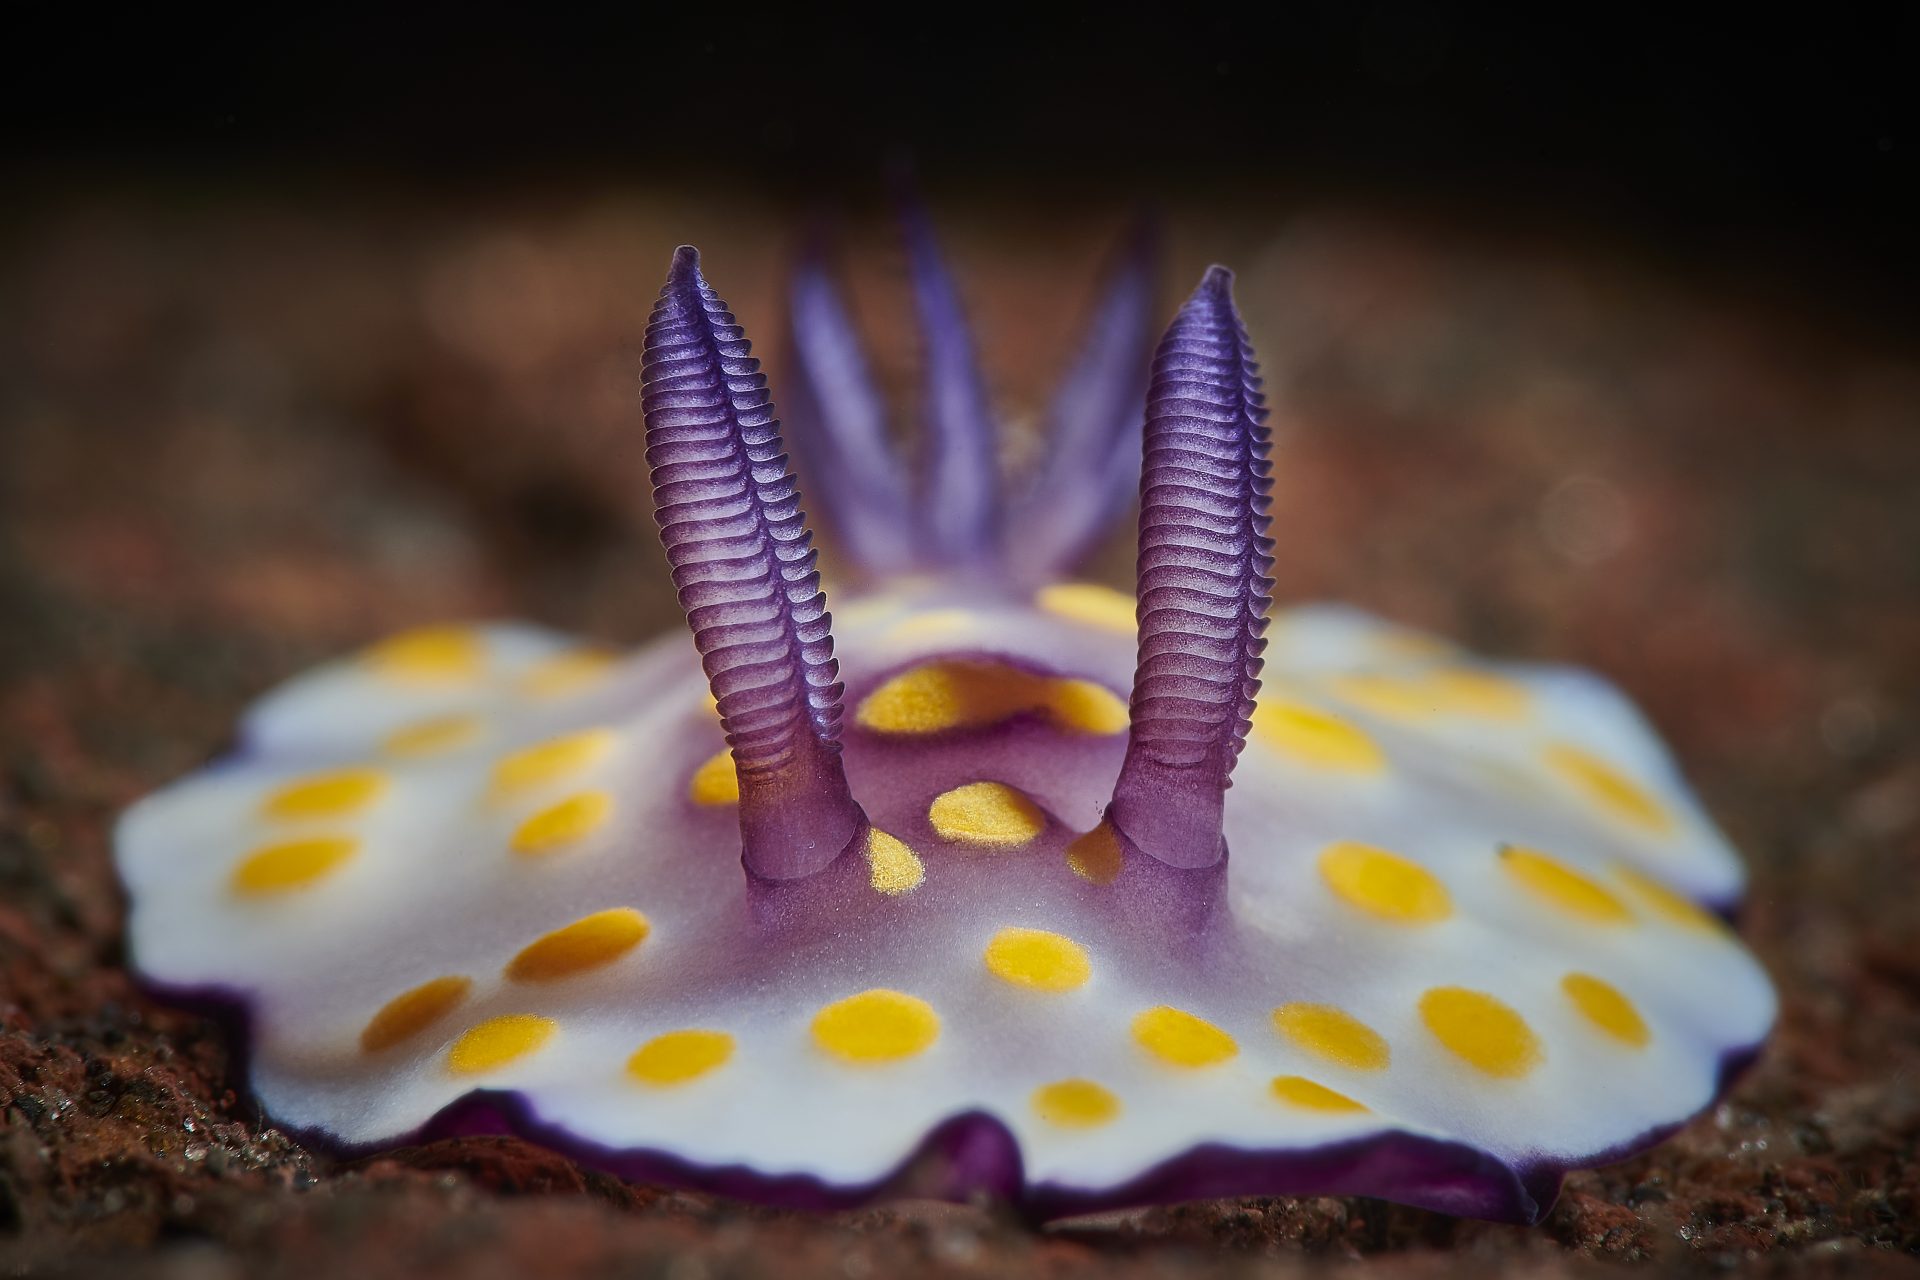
[(1315, 738), (892, 868), (1481, 1031), (498, 1041), (1038, 959), (566, 823), (326, 795), (1087, 707), (715, 782), (1384, 884), (1096, 856), (990, 815), (565, 673), (712, 705), (549, 761), (1462, 691), (431, 737), (937, 697), (587, 943), (876, 1026), (1333, 1034), (1075, 1104), (1302, 1092), (1607, 787), (1395, 697), (1407, 645), (1087, 602), (1563, 887), (931, 623), (679, 1056), (428, 653), (1664, 902), (293, 864), (1604, 1006), (867, 611), (412, 1011), (1179, 1039)]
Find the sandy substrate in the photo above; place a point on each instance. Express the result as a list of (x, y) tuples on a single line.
[(238, 438)]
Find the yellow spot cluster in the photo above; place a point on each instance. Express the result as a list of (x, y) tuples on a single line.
[(1441, 691), (949, 694), (986, 815)]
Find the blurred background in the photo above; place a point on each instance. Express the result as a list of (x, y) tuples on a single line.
[(1592, 338)]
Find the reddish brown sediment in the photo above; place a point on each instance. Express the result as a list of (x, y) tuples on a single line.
[(238, 442)]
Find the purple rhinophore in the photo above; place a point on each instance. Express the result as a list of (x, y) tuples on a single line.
[(744, 568), (1203, 584)]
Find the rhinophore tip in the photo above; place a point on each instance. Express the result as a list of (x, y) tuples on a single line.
[(744, 567), (1203, 584)]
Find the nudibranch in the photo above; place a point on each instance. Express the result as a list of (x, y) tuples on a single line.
[(946, 893)]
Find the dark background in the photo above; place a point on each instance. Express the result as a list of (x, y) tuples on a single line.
[(1779, 148)]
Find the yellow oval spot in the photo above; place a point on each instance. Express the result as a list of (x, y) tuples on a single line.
[(565, 674), (1075, 1104), (1664, 902), (587, 943), (929, 624), (1037, 959), (876, 1026), (1086, 707), (412, 1011), (498, 1041), (566, 823), (1096, 856), (333, 794), (428, 653), (1384, 884), (1395, 697), (679, 1056), (989, 815), (291, 864), (1302, 1092), (431, 737), (1089, 603), (1462, 691), (1561, 886), (552, 760), (892, 867), (937, 697), (1403, 644), (1314, 738), (1608, 788), (1604, 1006), (1481, 1031), (716, 782), (1180, 1039), (1332, 1034)]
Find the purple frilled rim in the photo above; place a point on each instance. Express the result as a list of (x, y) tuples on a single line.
[(974, 1155)]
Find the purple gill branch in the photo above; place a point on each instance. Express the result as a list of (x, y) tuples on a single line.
[(744, 567)]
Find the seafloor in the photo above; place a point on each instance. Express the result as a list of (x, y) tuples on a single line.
[(239, 436)]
